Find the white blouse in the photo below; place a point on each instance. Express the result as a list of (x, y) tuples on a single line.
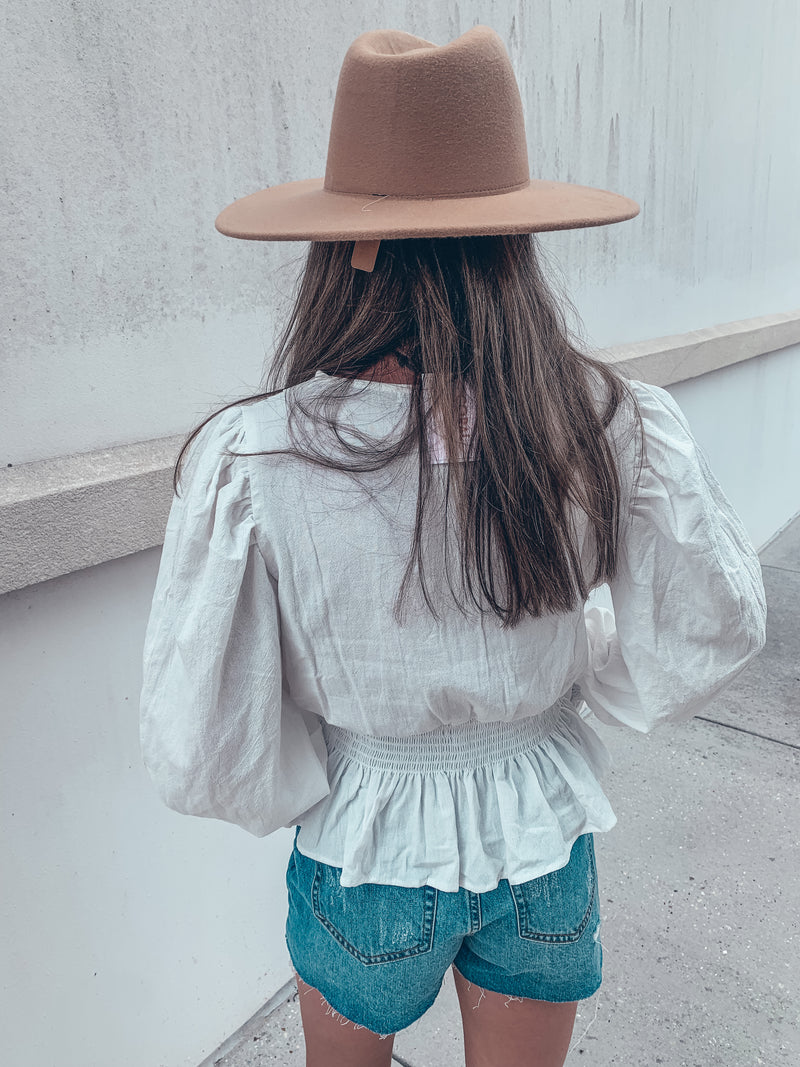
[(280, 690)]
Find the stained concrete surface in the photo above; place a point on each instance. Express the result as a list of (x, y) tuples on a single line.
[(699, 888)]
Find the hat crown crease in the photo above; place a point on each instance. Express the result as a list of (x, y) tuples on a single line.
[(417, 120)]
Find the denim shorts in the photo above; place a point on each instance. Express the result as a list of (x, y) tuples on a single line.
[(379, 953)]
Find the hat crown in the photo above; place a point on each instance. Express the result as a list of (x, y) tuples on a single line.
[(413, 119)]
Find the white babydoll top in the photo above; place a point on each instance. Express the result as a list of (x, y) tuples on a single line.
[(280, 690)]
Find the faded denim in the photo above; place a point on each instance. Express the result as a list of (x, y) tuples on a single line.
[(379, 953)]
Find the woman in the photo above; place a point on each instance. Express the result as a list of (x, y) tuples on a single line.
[(425, 736)]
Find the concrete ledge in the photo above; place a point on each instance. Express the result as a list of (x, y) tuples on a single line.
[(61, 515), (667, 360)]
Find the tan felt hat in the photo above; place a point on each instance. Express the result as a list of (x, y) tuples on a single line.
[(425, 141)]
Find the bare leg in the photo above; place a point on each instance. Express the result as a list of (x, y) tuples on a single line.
[(332, 1040), (501, 1030)]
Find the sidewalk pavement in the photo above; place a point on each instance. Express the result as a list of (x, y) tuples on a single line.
[(699, 885)]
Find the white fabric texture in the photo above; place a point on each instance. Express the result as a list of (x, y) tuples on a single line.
[(510, 806), (272, 618)]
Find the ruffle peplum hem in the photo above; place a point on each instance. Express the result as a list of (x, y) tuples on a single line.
[(462, 806)]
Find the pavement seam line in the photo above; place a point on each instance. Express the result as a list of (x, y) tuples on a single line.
[(742, 730)]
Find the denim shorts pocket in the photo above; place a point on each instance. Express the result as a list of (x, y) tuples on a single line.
[(375, 923), (556, 908)]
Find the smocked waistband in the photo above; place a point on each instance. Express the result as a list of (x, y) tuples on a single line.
[(447, 748)]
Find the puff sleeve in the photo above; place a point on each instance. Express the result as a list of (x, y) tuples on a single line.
[(689, 609), (220, 736)]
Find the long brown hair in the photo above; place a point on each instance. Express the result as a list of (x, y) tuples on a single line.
[(471, 314)]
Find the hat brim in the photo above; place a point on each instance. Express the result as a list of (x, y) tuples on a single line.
[(306, 211)]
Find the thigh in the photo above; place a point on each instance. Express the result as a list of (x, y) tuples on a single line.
[(540, 940), (377, 954), (334, 1041), (500, 1029)]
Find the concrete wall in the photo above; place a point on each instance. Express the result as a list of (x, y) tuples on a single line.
[(128, 316), (131, 935), (134, 935)]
